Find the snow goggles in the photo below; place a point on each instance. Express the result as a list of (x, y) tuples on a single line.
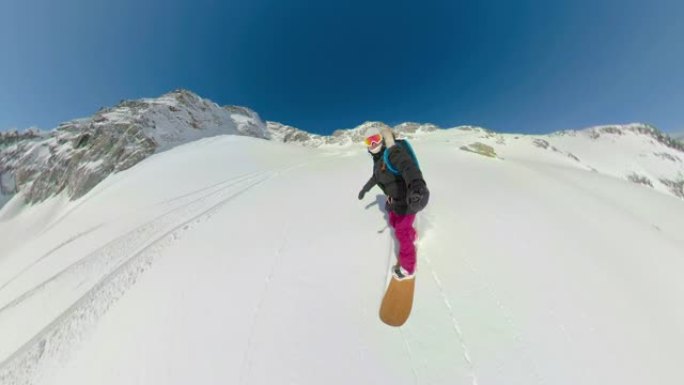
[(373, 140)]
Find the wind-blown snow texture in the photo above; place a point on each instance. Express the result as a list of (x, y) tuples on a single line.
[(235, 260)]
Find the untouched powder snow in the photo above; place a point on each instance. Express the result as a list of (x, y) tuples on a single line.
[(234, 260)]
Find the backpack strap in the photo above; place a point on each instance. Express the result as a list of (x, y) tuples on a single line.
[(406, 145)]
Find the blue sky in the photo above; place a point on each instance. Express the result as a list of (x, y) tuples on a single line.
[(528, 66)]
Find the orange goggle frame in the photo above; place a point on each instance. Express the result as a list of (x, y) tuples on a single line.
[(373, 140)]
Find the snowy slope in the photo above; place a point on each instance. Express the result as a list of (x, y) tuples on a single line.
[(234, 260)]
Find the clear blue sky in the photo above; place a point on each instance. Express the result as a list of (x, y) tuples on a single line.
[(517, 65)]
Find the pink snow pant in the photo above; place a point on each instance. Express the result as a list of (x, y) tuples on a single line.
[(406, 236)]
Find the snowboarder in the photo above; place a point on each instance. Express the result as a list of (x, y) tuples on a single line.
[(396, 172)]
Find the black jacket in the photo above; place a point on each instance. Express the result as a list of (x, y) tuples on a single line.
[(407, 192)]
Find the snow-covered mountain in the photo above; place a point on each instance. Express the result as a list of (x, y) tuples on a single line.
[(288, 134), (79, 154), (551, 259), (645, 155)]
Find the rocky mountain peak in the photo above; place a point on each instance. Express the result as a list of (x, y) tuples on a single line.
[(641, 129), (78, 154)]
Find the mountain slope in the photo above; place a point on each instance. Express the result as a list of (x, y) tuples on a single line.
[(79, 154), (237, 260)]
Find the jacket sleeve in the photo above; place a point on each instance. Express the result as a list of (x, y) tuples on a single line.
[(418, 194), (370, 184), (404, 163)]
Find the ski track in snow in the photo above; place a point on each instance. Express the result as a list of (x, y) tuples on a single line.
[(62, 217), (117, 265), (506, 314), (454, 321), (116, 251), (53, 250), (409, 351), (229, 181), (422, 225), (245, 368), (456, 325), (216, 186), (192, 194)]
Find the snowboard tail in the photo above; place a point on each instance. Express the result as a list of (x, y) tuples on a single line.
[(398, 301)]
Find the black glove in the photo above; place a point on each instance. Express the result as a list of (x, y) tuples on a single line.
[(418, 196), (367, 187)]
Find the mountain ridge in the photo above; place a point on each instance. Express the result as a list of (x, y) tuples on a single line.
[(78, 154)]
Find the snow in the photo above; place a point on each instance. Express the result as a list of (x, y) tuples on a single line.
[(236, 260), (678, 135)]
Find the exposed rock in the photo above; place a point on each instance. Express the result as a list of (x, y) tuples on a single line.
[(639, 179), (675, 186), (480, 148), (79, 154)]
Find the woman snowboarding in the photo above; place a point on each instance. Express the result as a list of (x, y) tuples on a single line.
[(396, 172)]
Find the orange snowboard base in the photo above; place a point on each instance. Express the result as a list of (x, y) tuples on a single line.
[(398, 301)]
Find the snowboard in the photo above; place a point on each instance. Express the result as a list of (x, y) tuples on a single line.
[(398, 301)]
